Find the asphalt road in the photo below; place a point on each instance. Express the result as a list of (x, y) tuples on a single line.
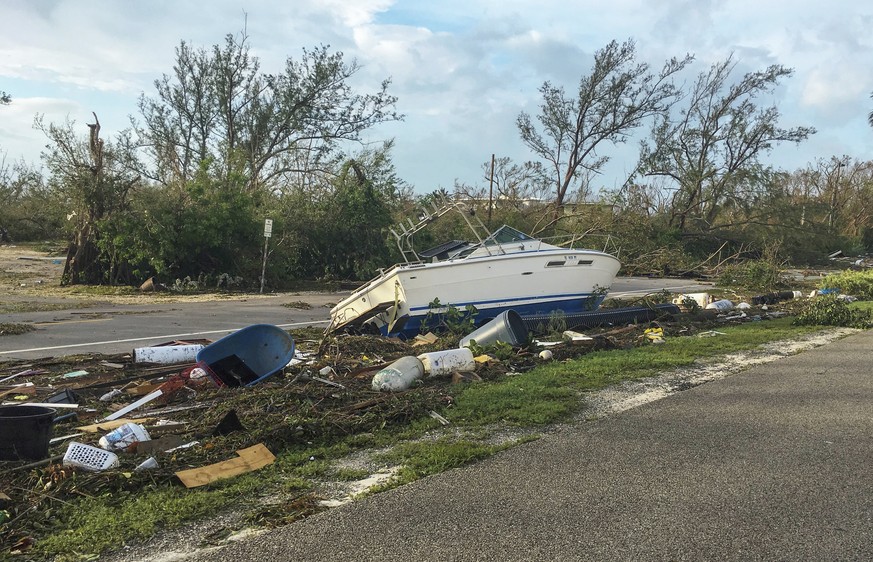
[(108, 328), (770, 464)]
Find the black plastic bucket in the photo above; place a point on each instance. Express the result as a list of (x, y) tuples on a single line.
[(25, 432)]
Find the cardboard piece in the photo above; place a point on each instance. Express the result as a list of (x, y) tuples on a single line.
[(250, 459), (425, 339), (160, 445)]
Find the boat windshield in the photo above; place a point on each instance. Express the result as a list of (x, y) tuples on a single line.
[(506, 235)]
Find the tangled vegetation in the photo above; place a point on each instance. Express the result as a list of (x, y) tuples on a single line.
[(831, 310)]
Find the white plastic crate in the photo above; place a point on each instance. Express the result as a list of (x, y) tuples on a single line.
[(89, 458)]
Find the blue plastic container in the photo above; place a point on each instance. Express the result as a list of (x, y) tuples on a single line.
[(247, 356)]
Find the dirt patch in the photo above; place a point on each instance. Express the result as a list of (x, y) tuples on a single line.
[(24, 268), (30, 280)]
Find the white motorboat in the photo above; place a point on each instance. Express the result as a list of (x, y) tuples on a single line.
[(501, 270)]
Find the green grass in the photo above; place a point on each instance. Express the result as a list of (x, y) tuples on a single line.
[(423, 458), (549, 393)]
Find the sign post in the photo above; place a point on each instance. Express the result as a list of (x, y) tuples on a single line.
[(268, 231)]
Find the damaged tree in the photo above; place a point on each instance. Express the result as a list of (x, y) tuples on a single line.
[(618, 96), (85, 177)]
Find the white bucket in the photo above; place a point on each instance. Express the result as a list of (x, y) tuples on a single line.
[(167, 354), (124, 436), (446, 362), (399, 375)]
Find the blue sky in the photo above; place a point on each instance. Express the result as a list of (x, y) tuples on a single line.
[(462, 70)]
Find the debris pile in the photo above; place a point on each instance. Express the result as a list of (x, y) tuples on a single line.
[(159, 417)]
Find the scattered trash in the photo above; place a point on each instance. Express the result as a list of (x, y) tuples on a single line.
[(125, 437), (104, 426), (743, 306), (65, 417), (75, 374), (439, 418), (426, 339), (439, 363), (26, 373), (249, 460), (228, 424), (86, 457), (54, 440), (399, 375), (710, 334), (702, 299), (109, 396), (723, 304), (546, 355), (577, 337), (147, 464), (654, 335), (820, 292), (508, 327), (459, 377), (773, 298), (160, 445), (732, 316), (131, 407)]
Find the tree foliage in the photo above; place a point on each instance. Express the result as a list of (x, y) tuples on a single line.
[(618, 96), (709, 152), (218, 106)]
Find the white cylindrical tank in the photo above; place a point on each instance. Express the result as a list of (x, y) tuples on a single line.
[(438, 363)]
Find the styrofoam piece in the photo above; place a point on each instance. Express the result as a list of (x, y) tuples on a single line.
[(89, 458)]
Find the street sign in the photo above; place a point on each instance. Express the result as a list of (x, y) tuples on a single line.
[(268, 228)]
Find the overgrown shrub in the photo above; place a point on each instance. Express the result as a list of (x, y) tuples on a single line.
[(831, 310), (758, 275), (856, 283)]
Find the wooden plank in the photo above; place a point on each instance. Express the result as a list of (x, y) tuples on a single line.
[(106, 426)]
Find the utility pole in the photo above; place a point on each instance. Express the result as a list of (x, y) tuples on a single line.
[(491, 193)]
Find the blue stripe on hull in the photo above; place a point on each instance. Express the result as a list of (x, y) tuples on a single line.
[(575, 305)]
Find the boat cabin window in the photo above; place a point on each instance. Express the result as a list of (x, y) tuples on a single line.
[(506, 235)]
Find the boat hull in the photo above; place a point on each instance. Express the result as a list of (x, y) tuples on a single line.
[(531, 283)]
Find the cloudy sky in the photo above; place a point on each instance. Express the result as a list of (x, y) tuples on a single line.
[(462, 70)]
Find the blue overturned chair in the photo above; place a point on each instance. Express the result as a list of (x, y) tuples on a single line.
[(247, 356)]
